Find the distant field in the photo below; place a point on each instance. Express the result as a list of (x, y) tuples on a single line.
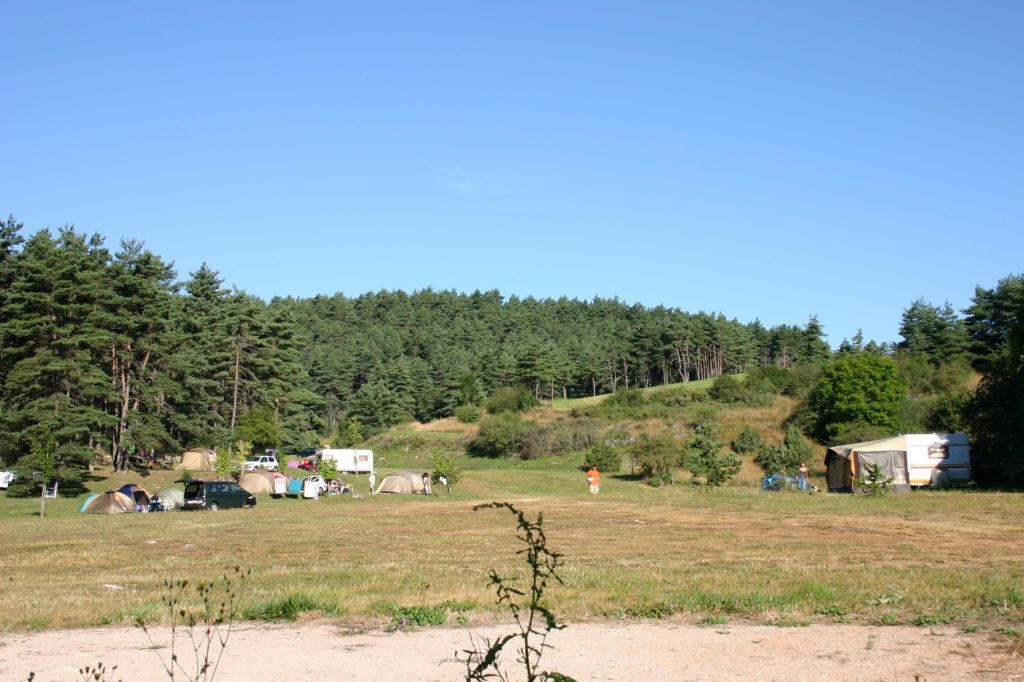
[(634, 551)]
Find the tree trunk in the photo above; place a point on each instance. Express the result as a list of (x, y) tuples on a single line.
[(234, 390)]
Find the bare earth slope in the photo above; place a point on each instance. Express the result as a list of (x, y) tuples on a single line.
[(592, 651)]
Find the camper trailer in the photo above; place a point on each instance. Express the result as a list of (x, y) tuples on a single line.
[(348, 461), (909, 461)]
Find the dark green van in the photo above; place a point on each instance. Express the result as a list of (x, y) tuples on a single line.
[(214, 495)]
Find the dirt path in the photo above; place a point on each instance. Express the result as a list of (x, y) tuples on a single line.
[(592, 651)]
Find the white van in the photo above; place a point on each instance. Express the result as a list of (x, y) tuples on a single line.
[(348, 461)]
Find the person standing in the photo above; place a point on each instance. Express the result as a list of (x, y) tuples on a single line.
[(594, 479), (802, 478), (373, 479)]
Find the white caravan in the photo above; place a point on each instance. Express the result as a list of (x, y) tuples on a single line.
[(348, 461)]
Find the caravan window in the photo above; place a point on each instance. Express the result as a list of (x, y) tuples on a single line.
[(938, 452)]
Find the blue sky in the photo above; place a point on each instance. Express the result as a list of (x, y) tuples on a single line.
[(769, 160)]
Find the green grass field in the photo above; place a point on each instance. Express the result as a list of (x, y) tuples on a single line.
[(926, 558)]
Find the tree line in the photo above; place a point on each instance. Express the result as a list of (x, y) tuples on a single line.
[(104, 351)]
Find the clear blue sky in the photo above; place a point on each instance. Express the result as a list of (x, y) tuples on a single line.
[(759, 159)]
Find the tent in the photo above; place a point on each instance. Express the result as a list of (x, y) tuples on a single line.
[(172, 497), (197, 460), (112, 502), (258, 482), (914, 459), (89, 499), (401, 482), (139, 494)]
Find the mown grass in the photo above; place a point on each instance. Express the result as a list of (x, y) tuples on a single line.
[(634, 551)]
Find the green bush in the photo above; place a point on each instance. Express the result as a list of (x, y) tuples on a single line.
[(768, 378), (468, 414), (559, 438), (748, 441), (705, 459), (510, 399), (654, 458), (500, 435), (418, 616), (605, 457), (731, 390)]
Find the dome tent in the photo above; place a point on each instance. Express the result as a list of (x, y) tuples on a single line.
[(197, 460), (113, 502), (401, 482)]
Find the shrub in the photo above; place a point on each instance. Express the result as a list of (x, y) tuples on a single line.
[(874, 481), (775, 458), (748, 441), (444, 466), (468, 414), (510, 399), (729, 389), (559, 438), (655, 457), (704, 457), (768, 378), (605, 457), (500, 435)]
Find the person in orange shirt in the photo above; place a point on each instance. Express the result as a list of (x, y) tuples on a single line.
[(594, 479)]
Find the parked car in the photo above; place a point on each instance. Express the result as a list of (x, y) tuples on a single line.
[(6, 477), (215, 495), (320, 482), (262, 462)]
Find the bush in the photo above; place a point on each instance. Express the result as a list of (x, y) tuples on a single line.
[(468, 414), (604, 457), (655, 457), (500, 435), (559, 438), (704, 457), (768, 378), (510, 399), (748, 441), (731, 390), (444, 466)]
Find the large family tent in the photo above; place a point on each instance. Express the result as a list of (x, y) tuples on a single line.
[(258, 482), (915, 459), (113, 502), (401, 482), (139, 494), (197, 460)]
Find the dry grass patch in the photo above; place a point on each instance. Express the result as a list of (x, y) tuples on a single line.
[(633, 550)]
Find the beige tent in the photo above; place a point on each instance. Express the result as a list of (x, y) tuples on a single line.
[(258, 482), (113, 502), (197, 460), (401, 482), (912, 459)]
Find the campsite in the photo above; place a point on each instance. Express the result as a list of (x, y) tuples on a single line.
[(935, 560)]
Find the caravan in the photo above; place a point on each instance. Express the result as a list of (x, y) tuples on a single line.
[(348, 461), (911, 460)]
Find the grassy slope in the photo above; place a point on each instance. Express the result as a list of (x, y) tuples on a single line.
[(786, 558)]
